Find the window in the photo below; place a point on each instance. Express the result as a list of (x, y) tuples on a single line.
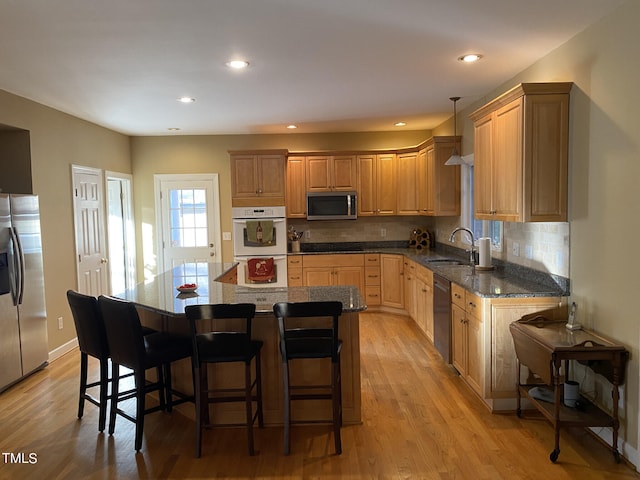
[(480, 228)]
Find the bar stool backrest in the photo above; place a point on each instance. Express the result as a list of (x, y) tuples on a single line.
[(92, 336), (217, 314), (293, 331), (124, 332)]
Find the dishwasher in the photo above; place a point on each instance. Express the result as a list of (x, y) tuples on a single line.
[(442, 316)]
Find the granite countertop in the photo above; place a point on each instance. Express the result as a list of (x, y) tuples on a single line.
[(505, 280), (160, 294)]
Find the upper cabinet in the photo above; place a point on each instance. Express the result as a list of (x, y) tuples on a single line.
[(377, 184), (407, 183), (521, 154), (257, 178), (330, 173), (296, 188), (438, 184)]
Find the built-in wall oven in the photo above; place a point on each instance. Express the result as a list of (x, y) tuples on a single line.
[(260, 246)]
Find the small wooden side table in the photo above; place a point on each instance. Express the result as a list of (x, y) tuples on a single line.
[(544, 346)]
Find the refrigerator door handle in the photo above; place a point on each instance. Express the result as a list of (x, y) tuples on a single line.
[(19, 256)]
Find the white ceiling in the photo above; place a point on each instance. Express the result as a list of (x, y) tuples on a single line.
[(326, 65)]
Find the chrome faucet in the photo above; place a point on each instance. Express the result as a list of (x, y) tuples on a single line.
[(472, 253)]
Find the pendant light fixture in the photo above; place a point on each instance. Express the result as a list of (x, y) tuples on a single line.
[(455, 158)]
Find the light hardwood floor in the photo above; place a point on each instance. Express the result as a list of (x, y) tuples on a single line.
[(419, 422)]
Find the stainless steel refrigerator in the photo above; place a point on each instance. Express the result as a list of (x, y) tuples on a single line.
[(23, 319)]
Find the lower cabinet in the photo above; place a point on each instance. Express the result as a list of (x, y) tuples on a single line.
[(482, 348), (423, 298), (372, 279), (391, 270), (338, 269), (294, 270)]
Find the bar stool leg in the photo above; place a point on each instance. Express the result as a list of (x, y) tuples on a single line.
[(115, 382), (104, 393), (83, 383), (337, 409), (248, 406), (200, 405), (287, 408), (140, 406), (259, 390)]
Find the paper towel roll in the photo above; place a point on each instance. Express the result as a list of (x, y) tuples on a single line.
[(484, 248)]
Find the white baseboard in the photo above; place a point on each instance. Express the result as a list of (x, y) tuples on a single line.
[(62, 349), (626, 450)]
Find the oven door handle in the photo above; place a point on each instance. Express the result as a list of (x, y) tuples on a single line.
[(244, 220), (247, 257)]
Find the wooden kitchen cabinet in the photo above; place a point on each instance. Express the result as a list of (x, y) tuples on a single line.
[(372, 279), (257, 178), (331, 173), (466, 331), (482, 347), (521, 154), (294, 271), (376, 184), (407, 184), (409, 287), (439, 184), (423, 298), (338, 269), (296, 190), (391, 270)]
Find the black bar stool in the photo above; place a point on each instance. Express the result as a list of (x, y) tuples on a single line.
[(305, 339), (131, 348), (92, 341), (218, 344)]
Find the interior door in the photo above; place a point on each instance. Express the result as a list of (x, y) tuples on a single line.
[(188, 219), (91, 251), (120, 232)]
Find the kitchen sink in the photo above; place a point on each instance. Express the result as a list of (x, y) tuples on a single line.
[(445, 261)]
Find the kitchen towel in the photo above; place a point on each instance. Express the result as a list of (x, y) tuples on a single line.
[(484, 248), (260, 269), (260, 231)]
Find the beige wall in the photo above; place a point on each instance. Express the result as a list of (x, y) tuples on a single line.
[(58, 141), (604, 170)]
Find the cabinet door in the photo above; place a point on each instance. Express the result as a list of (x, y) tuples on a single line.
[(444, 180), (296, 195), (318, 174), (272, 171), (343, 174), (475, 359), (386, 199), (483, 153), (318, 276), (506, 172), (349, 276), (244, 176), (392, 281), (367, 182), (407, 183), (458, 339), (423, 191), (427, 301)]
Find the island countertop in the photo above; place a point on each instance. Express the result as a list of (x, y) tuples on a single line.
[(160, 294)]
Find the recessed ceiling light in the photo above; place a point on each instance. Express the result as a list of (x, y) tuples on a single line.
[(400, 124), (186, 99), (237, 64), (173, 129), (470, 57), (292, 127)]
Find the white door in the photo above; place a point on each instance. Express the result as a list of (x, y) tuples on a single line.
[(188, 209), (120, 232), (88, 211)]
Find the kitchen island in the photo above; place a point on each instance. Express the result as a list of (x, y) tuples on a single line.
[(161, 306)]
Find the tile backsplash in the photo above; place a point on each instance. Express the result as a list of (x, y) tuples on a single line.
[(540, 246)]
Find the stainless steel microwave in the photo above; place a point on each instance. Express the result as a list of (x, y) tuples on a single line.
[(332, 206)]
